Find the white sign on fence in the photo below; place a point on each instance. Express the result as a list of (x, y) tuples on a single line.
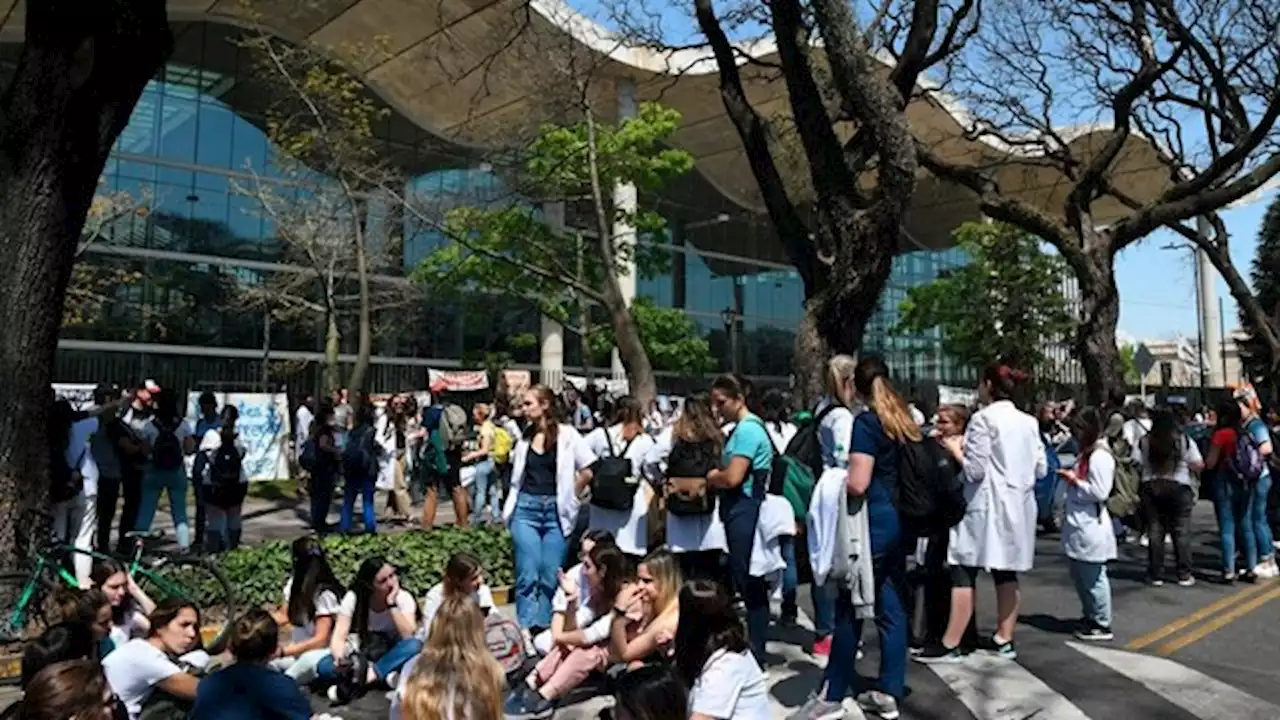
[(263, 428), (949, 395), (79, 395)]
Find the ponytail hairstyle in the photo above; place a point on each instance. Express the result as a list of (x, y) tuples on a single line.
[(871, 380), (840, 370), (736, 387), (1003, 380)]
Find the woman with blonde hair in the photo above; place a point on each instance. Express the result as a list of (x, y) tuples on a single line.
[(455, 677), (657, 595), (875, 437)]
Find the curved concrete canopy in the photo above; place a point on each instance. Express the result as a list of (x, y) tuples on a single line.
[(469, 69)]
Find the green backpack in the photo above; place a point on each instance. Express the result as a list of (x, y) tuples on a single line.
[(1124, 499), (792, 477)]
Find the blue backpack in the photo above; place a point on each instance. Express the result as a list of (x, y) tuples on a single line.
[(1246, 459), (360, 456)]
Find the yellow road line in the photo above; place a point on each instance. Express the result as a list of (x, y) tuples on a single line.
[(1203, 613), (1218, 623)]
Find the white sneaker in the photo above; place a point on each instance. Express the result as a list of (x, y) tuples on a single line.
[(1265, 570), (1144, 541)]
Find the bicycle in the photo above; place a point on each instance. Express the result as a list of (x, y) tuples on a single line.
[(161, 575)]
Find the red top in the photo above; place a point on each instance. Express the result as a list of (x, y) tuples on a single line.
[(1224, 439)]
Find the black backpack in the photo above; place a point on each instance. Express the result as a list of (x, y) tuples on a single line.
[(806, 446), (166, 452), (226, 489), (65, 481), (360, 456), (614, 481), (929, 496)]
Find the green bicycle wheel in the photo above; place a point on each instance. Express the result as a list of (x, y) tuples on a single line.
[(24, 618), (198, 581)]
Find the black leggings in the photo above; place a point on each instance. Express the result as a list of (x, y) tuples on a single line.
[(967, 577)]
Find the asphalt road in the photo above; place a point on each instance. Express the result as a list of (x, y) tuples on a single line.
[(1210, 651)]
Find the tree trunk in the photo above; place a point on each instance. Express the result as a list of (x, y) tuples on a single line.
[(1096, 335), (332, 347), (364, 345), (83, 66), (626, 337), (810, 361)]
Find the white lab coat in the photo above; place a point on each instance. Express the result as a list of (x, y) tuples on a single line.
[(385, 439), (630, 529), (572, 455), (1003, 456), (685, 533), (1087, 534)]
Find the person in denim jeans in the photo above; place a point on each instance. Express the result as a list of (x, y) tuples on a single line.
[(1237, 500), (872, 461), (550, 468), (1260, 435), (166, 470), (1088, 539), (484, 490), (378, 620), (360, 481)]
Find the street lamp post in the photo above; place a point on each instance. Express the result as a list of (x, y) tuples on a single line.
[(730, 317)]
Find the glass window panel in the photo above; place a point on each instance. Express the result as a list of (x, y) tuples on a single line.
[(248, 146), (216, 127)]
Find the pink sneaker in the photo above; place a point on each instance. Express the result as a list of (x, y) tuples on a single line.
[(822, 647)]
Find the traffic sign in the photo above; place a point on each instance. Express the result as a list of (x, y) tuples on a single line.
[(1143, 360)]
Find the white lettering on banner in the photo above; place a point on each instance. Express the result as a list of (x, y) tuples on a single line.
[(263, 427), (79, 395)]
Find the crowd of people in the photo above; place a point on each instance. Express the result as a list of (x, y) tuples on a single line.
[(685, 521)]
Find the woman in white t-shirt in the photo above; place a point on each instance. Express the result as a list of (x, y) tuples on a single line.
[(311, 610), (455, 677), (130, 606), (378, 620), (167, 440), (580, 634), (626, 439), (140, 668), (463, 578), (695, 441), (712, 657)]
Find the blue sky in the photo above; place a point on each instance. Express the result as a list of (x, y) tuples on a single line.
[(1157, 286)]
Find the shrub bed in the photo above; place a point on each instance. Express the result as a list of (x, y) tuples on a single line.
[(258, 574)]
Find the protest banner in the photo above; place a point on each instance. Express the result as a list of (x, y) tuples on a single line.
[(263, 427)]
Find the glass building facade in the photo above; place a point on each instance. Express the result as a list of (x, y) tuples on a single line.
[(166, 281)]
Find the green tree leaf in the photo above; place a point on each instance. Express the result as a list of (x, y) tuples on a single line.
[(1006, 305), (673, 341)]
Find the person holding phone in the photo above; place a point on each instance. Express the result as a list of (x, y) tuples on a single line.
[(1087, 537)]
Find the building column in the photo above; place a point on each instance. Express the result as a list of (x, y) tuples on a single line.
[(625, 201), (551, 360), (1208, 310)]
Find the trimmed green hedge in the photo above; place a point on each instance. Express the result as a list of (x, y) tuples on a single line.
[(257, 574)]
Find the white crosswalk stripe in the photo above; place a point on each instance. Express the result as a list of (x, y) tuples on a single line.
[(1205, 697), (997, 689)]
